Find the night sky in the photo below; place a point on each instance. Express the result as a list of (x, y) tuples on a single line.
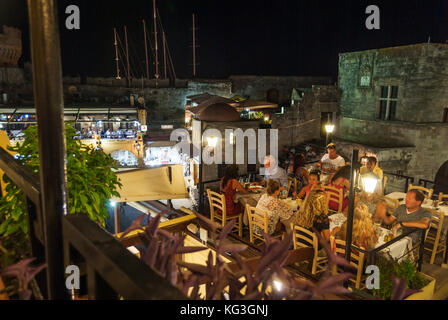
[(265, 37)]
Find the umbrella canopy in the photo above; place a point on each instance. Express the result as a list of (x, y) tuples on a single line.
[(152, 184), (255, 105)]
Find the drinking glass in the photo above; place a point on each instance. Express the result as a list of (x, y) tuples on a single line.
[(435, 203)]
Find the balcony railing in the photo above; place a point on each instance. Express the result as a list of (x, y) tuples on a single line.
[(111, 271)]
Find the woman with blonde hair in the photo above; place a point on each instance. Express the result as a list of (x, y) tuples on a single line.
[(364, 231)]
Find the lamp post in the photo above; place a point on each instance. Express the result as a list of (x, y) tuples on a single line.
[(369, 182), (355, 166)]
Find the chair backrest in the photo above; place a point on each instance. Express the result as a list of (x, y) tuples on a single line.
[(356, 257), (309, 239), (334, 194), (443, 197), (427, 192), (217, 204), (292, 183), (256, 217), (437, 219)]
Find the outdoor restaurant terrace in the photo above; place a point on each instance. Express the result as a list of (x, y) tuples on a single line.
[(308, 224)]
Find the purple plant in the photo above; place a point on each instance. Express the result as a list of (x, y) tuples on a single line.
[(24, 273), (160, 248), (400, 291)]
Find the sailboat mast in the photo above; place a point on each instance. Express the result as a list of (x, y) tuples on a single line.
[(127, 54), (194, 48), (146, 50), (116, 53), (164, 55), (155, 38)]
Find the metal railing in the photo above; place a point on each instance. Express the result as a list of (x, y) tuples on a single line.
[(401, 176), (111, 271), (372, 254)]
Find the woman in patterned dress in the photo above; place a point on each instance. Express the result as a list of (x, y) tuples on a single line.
[(277, 211)]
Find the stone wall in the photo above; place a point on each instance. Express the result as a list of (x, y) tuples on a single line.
[(165, 98), (257, 87), (302, 120), (418, 150), (418, 71), (12, 76)]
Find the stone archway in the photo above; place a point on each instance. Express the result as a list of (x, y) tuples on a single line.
[(441, 179)]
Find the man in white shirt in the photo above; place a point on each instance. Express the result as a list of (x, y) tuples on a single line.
[(273, 171), (331, 161)]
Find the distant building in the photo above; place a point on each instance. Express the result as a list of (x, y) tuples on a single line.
[(310, 109), (394, 105), (10, 47)]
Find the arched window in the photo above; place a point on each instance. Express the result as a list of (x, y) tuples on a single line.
[(441, 180)]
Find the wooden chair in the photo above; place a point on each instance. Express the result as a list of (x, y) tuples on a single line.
[(427, 192), (218, 211), (443, 197), (434, 235), (310, 240), (356, 259), (292, 183), (385, 178), (258, 217), (333, 194)]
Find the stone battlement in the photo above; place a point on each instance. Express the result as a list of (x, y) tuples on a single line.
[(10, 46)]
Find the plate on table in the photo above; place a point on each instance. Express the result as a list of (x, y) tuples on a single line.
[(255, 187)]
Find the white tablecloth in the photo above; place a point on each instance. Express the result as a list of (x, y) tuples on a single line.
[(397, 195), (395, 250)]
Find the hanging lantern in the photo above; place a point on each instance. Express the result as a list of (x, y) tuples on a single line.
[(369, 182)]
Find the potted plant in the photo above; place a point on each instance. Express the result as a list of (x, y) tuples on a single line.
[(422, 285), (90, 183)]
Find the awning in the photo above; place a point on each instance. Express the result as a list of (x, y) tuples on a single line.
[(255, 105), (152, 184)]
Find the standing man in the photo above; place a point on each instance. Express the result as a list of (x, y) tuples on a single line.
[(372, 166), (409, 215), (331, 161)]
